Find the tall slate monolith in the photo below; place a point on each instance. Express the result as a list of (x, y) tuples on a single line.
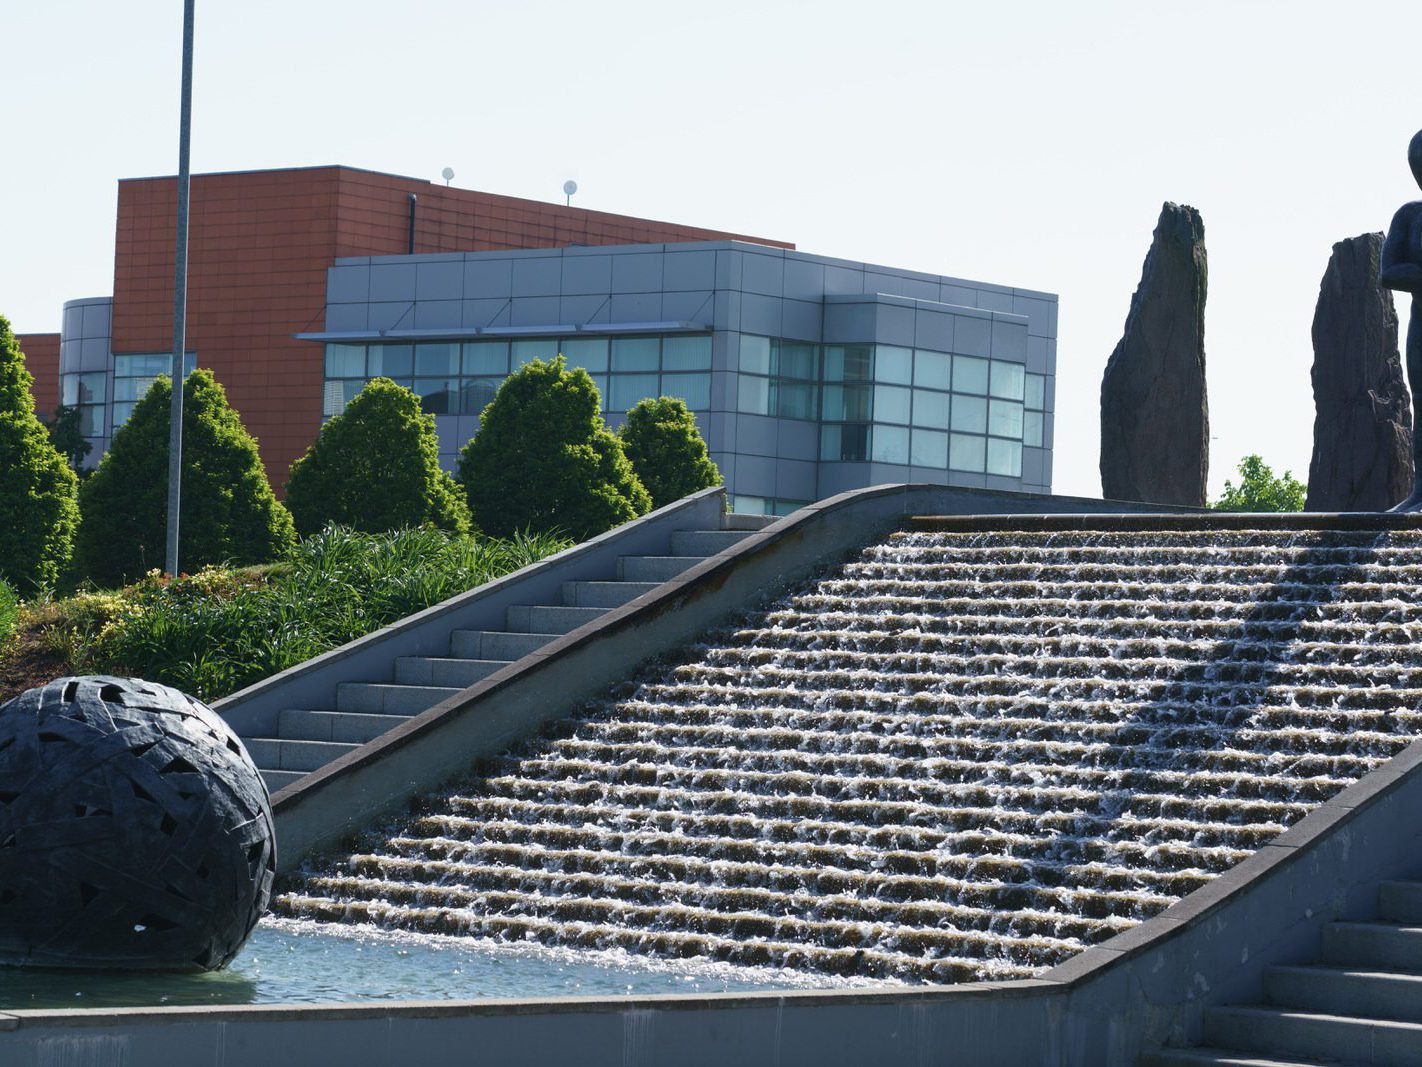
[(1362, 429), (1155, 422)]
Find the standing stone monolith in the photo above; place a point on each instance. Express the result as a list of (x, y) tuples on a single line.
[(1362, 429), (1155, 421)]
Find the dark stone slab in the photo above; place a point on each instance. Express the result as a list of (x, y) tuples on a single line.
[(1155, 426), (1362, 429), (135, 831)]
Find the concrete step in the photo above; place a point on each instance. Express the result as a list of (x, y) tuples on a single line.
[(1369, 994), (1222, 1057), (279, 754), (549, 619), (1373, 946), (603, 594), (1400, 902), (704, 542), (1280, 1033), (653, 568), (495, 644), (751, 523), (281, 779), (440, 671), (378, 697), (347, 727)]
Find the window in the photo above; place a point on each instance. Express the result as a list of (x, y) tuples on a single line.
[(436, 360), (966, 453), (590, 353), (1005, 419), (1008, 380), (486, 357), (848, 363), (929, 448), (931, 370), (1004, 457), (848, 443), (893, 364), (686, 353), (695, 389), (133, 375), (970, 375), (391, 361)]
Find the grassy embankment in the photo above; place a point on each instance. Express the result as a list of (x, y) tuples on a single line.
[(216, 631)]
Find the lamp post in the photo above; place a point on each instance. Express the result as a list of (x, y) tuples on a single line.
[(180, 295)]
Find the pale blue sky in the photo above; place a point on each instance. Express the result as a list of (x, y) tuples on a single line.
[(1024, 143)]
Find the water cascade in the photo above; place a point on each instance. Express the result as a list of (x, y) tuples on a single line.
[(962, 755)]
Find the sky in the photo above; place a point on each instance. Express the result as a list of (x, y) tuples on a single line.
[(1025, 143)]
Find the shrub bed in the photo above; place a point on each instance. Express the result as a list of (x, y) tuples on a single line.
[(221, 629)]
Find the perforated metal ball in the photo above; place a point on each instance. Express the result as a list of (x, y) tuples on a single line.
[(135, 830)]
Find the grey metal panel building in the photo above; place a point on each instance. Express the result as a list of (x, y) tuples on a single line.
[(808, 375)]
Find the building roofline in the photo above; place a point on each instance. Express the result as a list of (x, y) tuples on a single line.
[(282, 170)]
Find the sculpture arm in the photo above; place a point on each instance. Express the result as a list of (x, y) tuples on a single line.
[(1396, 270)]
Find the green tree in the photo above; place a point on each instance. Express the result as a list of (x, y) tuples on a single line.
[(376, 468), (229, 512), (543, 460), (67, 436), (1260, 490), (666, 449), (38, 512)]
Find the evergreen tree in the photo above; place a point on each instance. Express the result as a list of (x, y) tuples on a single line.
[(38, 513), (1260, 490), (229, 512), (667, 451), (543, 460), (376, 468)]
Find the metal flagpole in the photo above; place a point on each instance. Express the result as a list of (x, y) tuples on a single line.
[(180, 295)]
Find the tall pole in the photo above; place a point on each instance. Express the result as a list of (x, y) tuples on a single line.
[(180, 295)]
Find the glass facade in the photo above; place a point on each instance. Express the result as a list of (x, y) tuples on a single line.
[(132, 376), (889, 404), (461, 377)]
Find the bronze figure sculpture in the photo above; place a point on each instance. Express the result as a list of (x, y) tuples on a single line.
[(1401, 270)]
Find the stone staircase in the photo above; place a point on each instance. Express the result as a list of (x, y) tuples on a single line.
[(1360, 1004), (309, 738)]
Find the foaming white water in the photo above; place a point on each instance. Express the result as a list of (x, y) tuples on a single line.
[(960, 756)]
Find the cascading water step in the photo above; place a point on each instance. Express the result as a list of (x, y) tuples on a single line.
[(959, 755)]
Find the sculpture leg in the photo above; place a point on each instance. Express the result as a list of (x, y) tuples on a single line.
[(1414, 385)]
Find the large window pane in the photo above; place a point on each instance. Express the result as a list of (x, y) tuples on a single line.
[(1008, 380), (627, 389), (92, 387), (755, 354), (695, 389), (121, 414), (1004, 457), (890, 444), (930, 409), (893, 364), (891, 403), (686, 353), (135, 388), (797, 360), (477, 393), (794, 400), (590, 353), (1005, 419), (753, 395), (969, 414), (966, 452), (1036, 391), (931, 370), (635, 353), (392, 361), (345, 361), (438, 396), (338, 394), (970, 375), (848, 443), (69, 389), (930, 449), (600, 380), (848, 363), (1032, 422), (91, 420), (527, 350), (486, 357), (847, 403), (436, 360)]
